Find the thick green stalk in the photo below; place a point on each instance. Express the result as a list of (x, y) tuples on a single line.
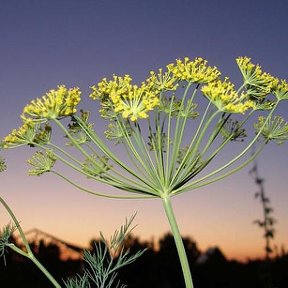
[(178, 241)]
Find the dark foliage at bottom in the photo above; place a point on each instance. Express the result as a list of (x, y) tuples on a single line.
[(159, 268)]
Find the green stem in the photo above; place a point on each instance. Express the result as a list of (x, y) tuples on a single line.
[(29, 253), (104, 148), (168, 140), (179, 129), (116, 172), (79, 147), (103, 194), (178, 241), (240, 155), (200, 182), (190, 155), (22, 235), (150, 168)]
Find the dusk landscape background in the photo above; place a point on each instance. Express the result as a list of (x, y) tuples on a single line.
[(77, 43)]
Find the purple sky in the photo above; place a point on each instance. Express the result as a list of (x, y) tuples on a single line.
[(77, 42)]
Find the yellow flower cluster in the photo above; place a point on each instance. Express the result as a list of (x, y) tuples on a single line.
[(103, 90), (258, 83), (195, 71), (162, 81), (23, 136), (280, 90), (225, 98), (121, 96), (56, 103)]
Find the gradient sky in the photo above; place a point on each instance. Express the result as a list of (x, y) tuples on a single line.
[(77, 42)]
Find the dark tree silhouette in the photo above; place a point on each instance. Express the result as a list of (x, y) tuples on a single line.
[(158, 267)]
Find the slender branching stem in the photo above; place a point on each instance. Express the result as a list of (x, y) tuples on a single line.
[(103, 194), (201, 183), (96, 139), (177, 135), (29, 254)]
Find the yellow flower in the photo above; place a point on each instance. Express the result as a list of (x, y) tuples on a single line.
[(120, 96), (225, 98), (117, 86), (195, 71), (23, 136), (280, 90), (258, 83), (162, 81), (55, 104)]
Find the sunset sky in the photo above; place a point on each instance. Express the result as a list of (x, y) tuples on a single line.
[(77, 43)]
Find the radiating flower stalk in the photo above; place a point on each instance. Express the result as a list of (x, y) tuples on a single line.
[(171, 126)]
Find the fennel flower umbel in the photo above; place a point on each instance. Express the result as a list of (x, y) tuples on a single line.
[(169, 139)]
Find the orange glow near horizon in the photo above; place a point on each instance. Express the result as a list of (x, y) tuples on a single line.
[(76, 225)]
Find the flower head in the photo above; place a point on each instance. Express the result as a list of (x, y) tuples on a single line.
[(57, 103), (119, 96), (43, 134), (280, 90), (258, 83), (77, 133), (195, 71), (264, 105), (225, 98), (116, 133), (272, 129), (232, 130), (25, 135), (162, 81), (42, 161), (96, 165)]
